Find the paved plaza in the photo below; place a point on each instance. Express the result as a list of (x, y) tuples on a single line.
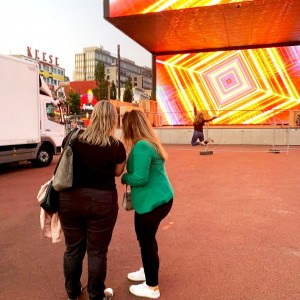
[(233, 232)]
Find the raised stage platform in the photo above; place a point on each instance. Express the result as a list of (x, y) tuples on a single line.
[(269, 135)]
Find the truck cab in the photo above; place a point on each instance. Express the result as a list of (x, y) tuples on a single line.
[(53, 130), (34, 127)]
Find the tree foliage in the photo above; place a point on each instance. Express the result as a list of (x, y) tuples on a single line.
[(101, 91), (99, 73), (96, 93), (73, 101), (128, 92), (113, 91)]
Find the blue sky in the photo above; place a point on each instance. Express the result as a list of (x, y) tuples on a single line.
[(62, 28)]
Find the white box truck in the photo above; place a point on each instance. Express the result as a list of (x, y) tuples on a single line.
[(31, 122)]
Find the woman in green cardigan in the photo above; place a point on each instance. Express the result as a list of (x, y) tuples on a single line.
[(152, 196)]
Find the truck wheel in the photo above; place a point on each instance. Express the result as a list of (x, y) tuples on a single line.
[(44, 157)]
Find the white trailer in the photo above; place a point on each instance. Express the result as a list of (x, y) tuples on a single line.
[(31, 122)]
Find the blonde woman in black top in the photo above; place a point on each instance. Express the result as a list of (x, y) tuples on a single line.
[(198, 129), (88, 211)]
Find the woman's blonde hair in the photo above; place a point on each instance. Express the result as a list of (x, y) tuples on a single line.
[(199, 118), (102, 125), (136, 127)]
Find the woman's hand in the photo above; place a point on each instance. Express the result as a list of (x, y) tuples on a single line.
[(122, 181)]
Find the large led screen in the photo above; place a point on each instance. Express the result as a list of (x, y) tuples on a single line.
[(120, 8), (257, 86)]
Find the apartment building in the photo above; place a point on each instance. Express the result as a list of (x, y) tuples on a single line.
[(86, 62), (49, 67)]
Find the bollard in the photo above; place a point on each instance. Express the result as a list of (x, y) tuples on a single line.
[(274, 150), (206, 151)]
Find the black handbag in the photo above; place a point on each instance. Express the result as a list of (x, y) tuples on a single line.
[(50, 201), (47, 195)]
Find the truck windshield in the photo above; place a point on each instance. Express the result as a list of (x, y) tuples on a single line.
[(53, 113)]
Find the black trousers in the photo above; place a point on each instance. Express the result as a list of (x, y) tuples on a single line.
[(88, 217), (146, 226), (197, 135)]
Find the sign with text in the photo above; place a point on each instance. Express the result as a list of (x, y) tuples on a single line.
[(42, 56)]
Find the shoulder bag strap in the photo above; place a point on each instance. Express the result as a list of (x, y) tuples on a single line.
[(69, 142)]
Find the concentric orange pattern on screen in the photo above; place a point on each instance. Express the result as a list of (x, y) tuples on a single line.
[(241, 87)]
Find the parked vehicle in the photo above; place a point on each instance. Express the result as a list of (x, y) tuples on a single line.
[(31, 121)]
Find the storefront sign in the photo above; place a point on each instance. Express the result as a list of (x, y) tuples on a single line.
[(42, 56), (88, 101)]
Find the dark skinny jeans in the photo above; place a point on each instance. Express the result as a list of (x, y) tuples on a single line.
[(146, 226), (88, 217), (197, 135)]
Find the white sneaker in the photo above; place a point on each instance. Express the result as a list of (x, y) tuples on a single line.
[(143, 290), (109, 293), (137, 276)]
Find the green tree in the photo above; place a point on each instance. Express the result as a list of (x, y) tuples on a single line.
[(101, 91), (99, 73), (73, 101), (128, 92), (96, 93), (113, 91)]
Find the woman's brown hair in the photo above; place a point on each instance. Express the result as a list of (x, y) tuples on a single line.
[(199, 118), (136, 127)]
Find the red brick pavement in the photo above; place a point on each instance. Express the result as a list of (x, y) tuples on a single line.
[(233, 232)]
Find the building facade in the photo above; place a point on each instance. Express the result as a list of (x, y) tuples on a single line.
[(86, 62), (49, 68)]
